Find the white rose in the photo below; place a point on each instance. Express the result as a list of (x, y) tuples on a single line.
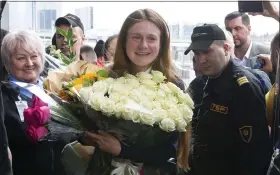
[(173, 88), (96, 99), (107, 107), (130, 76), (85, 93), (119, 109), (146, 119), (120, 80), (137, 95), (100, 86), (165, 88), (109, 80), (159, 114), (172, 98), (158, 76), (132, 82), (124, 99), (186, 111), (130, 114), (119, 88), (167, 124), (160, 94), (115, 97), (185, 98), (180, 124), (149, 83), (150, 94), (156, 104), (144, 76), (174, 113), (166, 104), (147, 104)]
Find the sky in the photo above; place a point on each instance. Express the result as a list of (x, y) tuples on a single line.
[(110, 15)]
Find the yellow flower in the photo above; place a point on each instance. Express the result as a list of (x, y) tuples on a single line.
[(78, 81)]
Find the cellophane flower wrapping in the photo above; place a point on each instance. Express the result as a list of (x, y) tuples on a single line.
[(67, 113)]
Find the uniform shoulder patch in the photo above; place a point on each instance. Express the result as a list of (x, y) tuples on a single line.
[(242, 80), (246, 133)]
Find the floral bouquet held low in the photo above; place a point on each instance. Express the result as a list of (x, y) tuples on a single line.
[(130, 105)]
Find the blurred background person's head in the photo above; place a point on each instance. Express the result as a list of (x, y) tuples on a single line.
[(65, 23), (99, 49), (88, 54), (110, 48), (239, 25)]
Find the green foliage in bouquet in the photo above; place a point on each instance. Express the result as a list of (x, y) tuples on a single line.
[(68, 34)]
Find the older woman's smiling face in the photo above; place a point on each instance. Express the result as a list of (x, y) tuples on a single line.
[(25, 66)]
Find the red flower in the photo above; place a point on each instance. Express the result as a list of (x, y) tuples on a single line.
[(37, 116), (36, 133)]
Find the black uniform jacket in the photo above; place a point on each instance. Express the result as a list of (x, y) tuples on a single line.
[(230, 132)]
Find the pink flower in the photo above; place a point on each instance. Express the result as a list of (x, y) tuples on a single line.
[(37, 116), (42, 115), (38, 102), (35, 134)]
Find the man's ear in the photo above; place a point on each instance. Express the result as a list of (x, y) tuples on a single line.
[(83, 39), (249, 28), (226, 47)]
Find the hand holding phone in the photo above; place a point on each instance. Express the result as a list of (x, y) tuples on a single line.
[(250, 6)]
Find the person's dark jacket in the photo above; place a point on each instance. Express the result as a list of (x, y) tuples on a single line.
[(5, 163), (41, 158)]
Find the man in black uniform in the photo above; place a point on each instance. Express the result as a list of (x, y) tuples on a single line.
[(230, 132)]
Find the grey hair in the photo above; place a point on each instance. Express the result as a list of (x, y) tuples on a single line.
[(27, 40)]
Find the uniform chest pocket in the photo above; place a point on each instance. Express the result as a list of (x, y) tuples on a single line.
[(214, 119)]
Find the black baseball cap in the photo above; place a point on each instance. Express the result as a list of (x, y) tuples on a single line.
[(203, 36), (71, 20)]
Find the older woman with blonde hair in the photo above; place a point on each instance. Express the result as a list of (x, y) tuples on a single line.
[(143, 45), (23, 57)]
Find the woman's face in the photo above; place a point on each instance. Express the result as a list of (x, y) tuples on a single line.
[(143, 44), (26, 66)]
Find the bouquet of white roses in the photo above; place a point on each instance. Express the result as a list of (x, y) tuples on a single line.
[(129, 105)]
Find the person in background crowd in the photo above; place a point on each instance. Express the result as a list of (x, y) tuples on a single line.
[(196, 86), (110, 48), (23, 57), (88, 54), (238, 24), (99, 50), (259, 73), (245, 49), (272, 11), (230, 134), (64, 23)]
